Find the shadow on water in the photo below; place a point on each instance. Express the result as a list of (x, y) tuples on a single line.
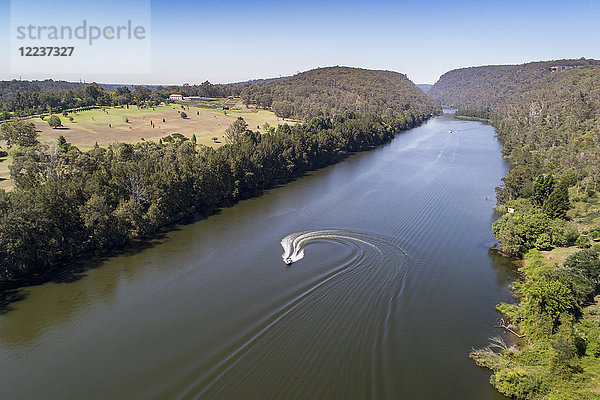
[(506, 269), (16, 290)]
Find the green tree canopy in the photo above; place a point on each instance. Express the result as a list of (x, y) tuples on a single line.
[(557, 204), (54, 122), (542, 188), (235, 132), (549, 297), (19, 133), (587, 262)]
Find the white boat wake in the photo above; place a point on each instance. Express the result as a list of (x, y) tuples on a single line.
[(294, 243)]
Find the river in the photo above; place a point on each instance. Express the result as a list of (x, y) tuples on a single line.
[(396, 285)]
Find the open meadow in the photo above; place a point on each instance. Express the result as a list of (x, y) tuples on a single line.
[(121, 124), (110, 125)]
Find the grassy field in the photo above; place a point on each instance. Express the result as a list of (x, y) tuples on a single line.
[(558, 255), (585, 213), (5, 182), (111, 125)]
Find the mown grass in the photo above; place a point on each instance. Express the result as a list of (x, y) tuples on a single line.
[(121, 124), (5, 181)]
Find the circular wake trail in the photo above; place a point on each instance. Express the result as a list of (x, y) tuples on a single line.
[(333, 327), (294, 243)]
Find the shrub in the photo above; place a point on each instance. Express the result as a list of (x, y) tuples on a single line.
[(543, 242), (586, 261), (583, 241), (518, 383)]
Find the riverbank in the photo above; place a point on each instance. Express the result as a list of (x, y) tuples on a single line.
[(556, 314), (141, 188), (477, 119), (554, 357)]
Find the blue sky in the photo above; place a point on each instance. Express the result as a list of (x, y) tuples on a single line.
[(227, 41)]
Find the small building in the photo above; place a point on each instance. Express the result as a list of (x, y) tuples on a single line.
[(198, 98), (562, 68), (176, 97)]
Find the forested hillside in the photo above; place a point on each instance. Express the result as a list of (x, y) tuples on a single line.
[(548, 117), (331, 90), (319, 92), (476, 90)]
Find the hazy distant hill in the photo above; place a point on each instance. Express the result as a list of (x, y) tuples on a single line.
[(49, 85), (332, 90), (424, 86)]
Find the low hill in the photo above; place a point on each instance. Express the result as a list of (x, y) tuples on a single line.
[(333, 90)]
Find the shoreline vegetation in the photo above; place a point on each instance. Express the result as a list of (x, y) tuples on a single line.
[(476, 119), (547, 115), (67, 203)]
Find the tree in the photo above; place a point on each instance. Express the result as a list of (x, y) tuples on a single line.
[(542, 188), (20, 133), (520, 232), (549, 297), (234, 134), (94, 91), (557, 204), (62, 143), (54, 122), (587, 262), (142, 93), (183, 115), (513, 184)]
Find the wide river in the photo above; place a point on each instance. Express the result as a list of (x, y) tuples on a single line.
[(396, 286)]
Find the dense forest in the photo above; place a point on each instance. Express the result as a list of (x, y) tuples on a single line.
[(331, 90), (68, 203), (547, 115)]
